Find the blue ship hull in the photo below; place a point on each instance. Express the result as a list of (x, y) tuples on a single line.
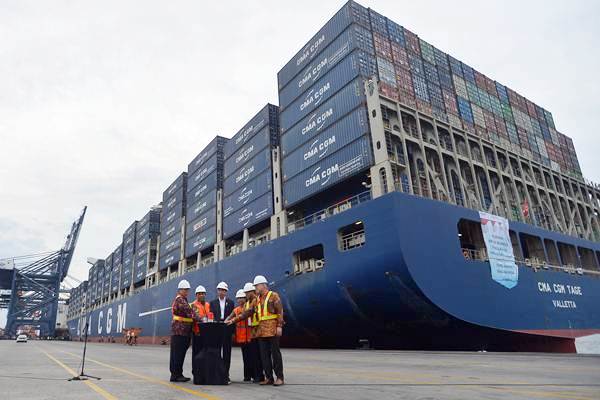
[(408, 286)]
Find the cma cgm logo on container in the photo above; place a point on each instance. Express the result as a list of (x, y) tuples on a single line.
[(171, 202), (313, 72), (319, 148), (321, 176), (205, 171), (243, 155), (171, 216), (203, 156), (200, 242), (105, 324), (248, 131), (315, 96), (244, 174), (200, 190), (310, 49), (245, 195), (317, 121), (200, 207)]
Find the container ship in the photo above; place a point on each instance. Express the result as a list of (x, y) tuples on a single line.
[(395, 195)]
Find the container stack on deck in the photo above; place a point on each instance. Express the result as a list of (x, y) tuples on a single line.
[(205, 174), (172, 215), (148, 230), (117, 263), (248, 186), (128, 255), (108, 262)]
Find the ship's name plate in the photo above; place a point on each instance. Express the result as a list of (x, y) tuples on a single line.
[(559, 288)]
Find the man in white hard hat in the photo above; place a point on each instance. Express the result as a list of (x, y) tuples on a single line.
[(181, 327), (222, 307), (269, 311), (201, 309)]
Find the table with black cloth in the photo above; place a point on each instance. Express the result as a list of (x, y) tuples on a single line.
[(208, 365)]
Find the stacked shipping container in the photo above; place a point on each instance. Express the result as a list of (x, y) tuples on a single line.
[(173, 212), (248, 185), (128, 255), (415, 73), (324, 126), (107, 278), (148, 229), (205, 174), (117, 263)]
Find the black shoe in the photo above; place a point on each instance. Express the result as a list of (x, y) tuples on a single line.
[(180, 379), (247, 379)]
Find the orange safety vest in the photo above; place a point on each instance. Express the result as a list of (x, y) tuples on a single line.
[(263, 309), (202, 311), (178, 317), (242, 330)]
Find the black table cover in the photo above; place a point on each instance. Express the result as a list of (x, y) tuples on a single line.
[(209, 368)]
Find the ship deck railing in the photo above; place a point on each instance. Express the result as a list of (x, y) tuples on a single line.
[(535, 263), (330, 211)]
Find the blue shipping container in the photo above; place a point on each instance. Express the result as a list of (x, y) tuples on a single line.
[(115, 276), (178, 184), (247, 172), (216, 144), (168, 219), (248, 193), (173, 243), (255, 125), (201, 223), (175, 202), (140, 269), (337, 24), (201, 206), (352, 38), (255, 212), (248, 151), (349, 161), (170, 230), (169, 259), (332, 110), (333, 139), (204, 171), (203, 240), (356, 63), (208, 184)]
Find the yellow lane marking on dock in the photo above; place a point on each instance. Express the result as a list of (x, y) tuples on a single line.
[(92, 385), (545, 394), (150, 379)]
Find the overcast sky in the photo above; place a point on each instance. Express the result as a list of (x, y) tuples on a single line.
[(104, 103)]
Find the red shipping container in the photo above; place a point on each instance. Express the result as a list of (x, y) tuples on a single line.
[(399, 56), (412, 42), (407, 97), (404, 79), (424, 107), (490, 124), (531, 109), (479, 79), (382, 46), (388, 91), (450, 102), (500, 126), (490, 87)]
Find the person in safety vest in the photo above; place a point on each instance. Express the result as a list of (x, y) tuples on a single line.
[(253, 352), (269, 310), (242, 335), (181, 327), (201, 309)]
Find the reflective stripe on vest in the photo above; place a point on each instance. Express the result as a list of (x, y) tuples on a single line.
[(242, 330), (202, 311), (177, 317), (254, 320), (263, 311)]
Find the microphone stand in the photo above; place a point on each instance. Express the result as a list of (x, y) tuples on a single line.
[(83, 376)]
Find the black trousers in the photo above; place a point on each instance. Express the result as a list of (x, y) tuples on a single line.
[(270, 355), (226, 350), (179, 346), (248, 366), (254, 360), (196, 348)]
